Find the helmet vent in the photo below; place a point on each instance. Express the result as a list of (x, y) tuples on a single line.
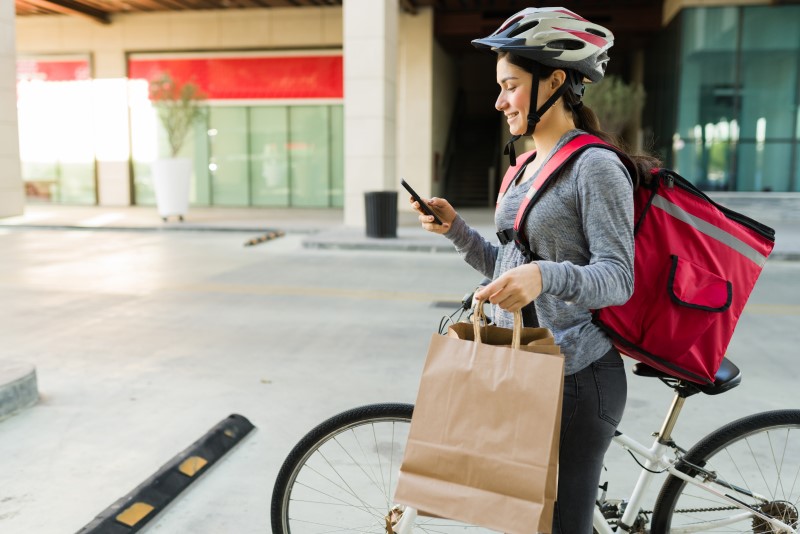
[(510, 22), (522, 28), (566, 44), (596, 32)]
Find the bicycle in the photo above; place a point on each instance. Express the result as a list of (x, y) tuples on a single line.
[(742, 477)]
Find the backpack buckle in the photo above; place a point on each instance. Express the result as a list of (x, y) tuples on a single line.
[(509, 235), (526, 252), (506, 236)]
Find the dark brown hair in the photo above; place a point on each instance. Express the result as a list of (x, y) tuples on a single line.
[(586, 120)]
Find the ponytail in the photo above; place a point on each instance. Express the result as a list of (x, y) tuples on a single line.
[(586, 120)]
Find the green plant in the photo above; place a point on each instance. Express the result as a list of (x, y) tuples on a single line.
[(179, 106), (615, 102)]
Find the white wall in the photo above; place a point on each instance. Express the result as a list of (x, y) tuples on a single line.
[(11, 192)]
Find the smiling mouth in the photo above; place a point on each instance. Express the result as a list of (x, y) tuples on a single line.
[(512, 116)]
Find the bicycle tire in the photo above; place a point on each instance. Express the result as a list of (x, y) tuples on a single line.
[(301, 468), (738, 454)]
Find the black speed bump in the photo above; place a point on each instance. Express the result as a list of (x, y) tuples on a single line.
[(133, 511)]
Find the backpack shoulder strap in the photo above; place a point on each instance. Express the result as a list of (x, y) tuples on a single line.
[(550, 170), (513, 173)]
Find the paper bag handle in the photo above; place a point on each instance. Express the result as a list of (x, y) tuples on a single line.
[(478, 314)]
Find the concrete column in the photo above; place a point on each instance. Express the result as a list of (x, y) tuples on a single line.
[(415, 103), (370, 72), (11, 188)]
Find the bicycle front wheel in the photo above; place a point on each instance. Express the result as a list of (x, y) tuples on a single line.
[(755, 460), (341, 476)]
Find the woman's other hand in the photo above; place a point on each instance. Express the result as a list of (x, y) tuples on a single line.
[(515, 288), (441, 208)]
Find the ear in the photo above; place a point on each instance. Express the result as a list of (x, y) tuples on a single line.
[(557, 79)]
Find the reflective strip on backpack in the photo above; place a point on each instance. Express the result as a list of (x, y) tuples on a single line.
[(710, 230)]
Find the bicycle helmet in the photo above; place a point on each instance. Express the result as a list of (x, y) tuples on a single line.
[(555, 37)]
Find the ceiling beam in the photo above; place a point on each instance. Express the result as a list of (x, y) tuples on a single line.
[(71, 7)]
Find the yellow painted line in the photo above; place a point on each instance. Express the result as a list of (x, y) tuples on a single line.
[(327, 292), (192, 465), (134, 513), (772, 309)]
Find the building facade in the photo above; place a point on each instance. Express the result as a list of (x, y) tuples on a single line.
[(735, 114), (314, 106)]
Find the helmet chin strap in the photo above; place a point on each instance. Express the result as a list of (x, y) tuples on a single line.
[(533, 116)]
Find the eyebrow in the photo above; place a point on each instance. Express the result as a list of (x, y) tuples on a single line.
[(508, 78)]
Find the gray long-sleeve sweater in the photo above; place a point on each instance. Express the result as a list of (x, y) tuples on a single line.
[(582, 228)]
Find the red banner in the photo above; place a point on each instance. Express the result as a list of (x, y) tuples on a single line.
[(52, 70), (222, 78)]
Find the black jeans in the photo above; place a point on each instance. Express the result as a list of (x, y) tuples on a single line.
[(594, 399)]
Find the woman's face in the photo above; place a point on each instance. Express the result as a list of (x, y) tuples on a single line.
[(515, 95)]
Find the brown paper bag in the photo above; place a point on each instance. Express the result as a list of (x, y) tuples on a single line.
[(531, 339), (483, 444)]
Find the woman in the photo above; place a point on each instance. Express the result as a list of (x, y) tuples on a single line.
[(580, 230)]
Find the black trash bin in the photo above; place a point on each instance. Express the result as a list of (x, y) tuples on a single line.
[(381, 210)]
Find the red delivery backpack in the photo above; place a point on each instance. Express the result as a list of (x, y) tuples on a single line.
[(695, 265)]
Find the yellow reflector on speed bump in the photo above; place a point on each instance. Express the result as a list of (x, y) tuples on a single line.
[(134, 513), (192, 465)]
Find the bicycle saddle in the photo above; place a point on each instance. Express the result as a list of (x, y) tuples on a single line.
[(728, 377)]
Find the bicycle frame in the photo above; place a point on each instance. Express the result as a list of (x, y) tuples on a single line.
[(656, 462)]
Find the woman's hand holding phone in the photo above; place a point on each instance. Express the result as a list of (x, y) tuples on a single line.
[(431, 210)]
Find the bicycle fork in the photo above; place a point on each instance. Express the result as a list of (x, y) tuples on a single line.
[(401, 520)]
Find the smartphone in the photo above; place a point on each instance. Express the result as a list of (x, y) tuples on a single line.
[(422, 204)]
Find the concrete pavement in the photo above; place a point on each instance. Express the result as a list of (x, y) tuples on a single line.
[(143, 338)]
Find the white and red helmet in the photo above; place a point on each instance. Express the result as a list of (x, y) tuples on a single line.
[(556, 37)]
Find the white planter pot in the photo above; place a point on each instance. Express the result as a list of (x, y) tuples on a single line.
[(172, 180)]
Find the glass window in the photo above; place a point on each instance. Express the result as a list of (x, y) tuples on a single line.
[(769, 71), (708, 97), (269, 159), (197, 147), (796, 184), (337, 156), (309, 156), (771, 28), (764, 166), (228, 156), (275, 156), (740, 76), (145, 135), (57, 141), (770, 87)]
